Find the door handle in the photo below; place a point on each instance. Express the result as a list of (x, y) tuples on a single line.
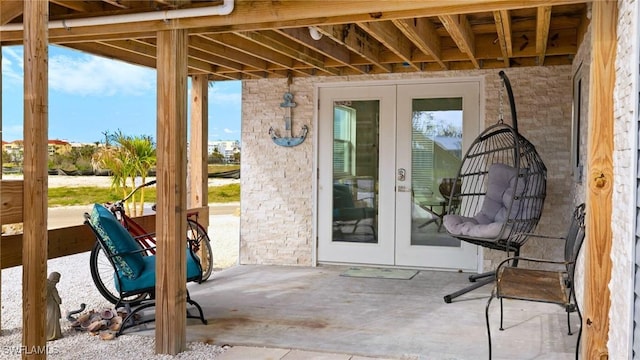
[(402, 174)]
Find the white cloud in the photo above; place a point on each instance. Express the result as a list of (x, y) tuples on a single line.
[(84, 74), (220, 96), (92, 75), (228, 131), (12, 64)]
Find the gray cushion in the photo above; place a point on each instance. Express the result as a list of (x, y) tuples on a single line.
[(503, 184)]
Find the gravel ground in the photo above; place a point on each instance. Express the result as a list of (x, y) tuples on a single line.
[(76, 287)]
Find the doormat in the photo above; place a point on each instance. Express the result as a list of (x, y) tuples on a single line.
[(379, 273)]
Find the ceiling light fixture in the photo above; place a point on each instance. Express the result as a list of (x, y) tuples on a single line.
[(315, 33)]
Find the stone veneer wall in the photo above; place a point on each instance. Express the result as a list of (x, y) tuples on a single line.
[(581, 67), (624, 182), (277, 200)]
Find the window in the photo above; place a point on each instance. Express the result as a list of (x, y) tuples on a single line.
[(344, 138)]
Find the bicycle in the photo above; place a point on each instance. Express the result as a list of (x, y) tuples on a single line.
[(102, 271)]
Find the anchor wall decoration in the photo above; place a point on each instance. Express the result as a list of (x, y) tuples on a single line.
[(289, 140)]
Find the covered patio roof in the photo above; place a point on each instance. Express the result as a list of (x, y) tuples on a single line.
[(227, 40), (266, 39)]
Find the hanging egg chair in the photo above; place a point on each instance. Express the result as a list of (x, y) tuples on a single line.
[(502, 187)]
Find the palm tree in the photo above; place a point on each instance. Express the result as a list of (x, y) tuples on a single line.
[(129, 157), (114, 159), (143, 155)]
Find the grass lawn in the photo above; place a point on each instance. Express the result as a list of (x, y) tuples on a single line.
[(83, 195)]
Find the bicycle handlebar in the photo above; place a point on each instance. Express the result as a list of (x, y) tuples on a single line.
[(136, 189)]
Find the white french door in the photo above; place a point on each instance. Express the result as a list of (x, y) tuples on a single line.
[(383, 150), (356, 201), (436, 123)]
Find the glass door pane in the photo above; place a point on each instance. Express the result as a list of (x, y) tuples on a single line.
[(356, 181), (436, 153), (355, 171), (436, 122)]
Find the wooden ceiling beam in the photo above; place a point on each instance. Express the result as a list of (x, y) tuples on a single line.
[(391, 37), (284, 46), (252, 49), (284, 14), (207, 44), (359, 42), (201, 49), (133, 46), (138, 49), (506, 26), (222, 65), (423, 34), (10, 10), (542, 32), (116, 3), (503, 27), (109, 52), (264, 52), (458, 27), (195, 65), (324, 46), (225, 65), (80, 6)]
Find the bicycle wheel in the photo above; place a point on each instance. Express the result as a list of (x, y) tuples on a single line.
[(102, 274), (201, 247)]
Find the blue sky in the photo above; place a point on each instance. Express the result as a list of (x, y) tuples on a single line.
[(89, 95)]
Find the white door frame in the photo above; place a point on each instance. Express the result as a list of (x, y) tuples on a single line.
[(480, 79), (383, 251), (438, 257)]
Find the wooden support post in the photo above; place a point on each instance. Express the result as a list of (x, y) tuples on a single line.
[(600, 181), (35, 247), (171, 227), (1, 177), (198, 144)]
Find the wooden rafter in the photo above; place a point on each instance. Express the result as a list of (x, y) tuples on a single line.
[(357, 41), (503, 27), (247, 41), (324, 45), (234, 43), (204, 50), (208, 44), (542, 32), (460, 31), (404, 37), (300, 13), (80, 6), (423, 34), (392, 38), (106, 50), (10, 10), (116, 3), (198, 64), (282, 45)]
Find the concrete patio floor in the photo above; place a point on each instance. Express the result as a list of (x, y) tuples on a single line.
[(317, 309)]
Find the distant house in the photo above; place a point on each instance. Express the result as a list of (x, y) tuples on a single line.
[(54, 146), (58, 147), (225, 147), (13, 147)]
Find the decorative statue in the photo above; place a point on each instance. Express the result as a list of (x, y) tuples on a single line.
[(53, 307)]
